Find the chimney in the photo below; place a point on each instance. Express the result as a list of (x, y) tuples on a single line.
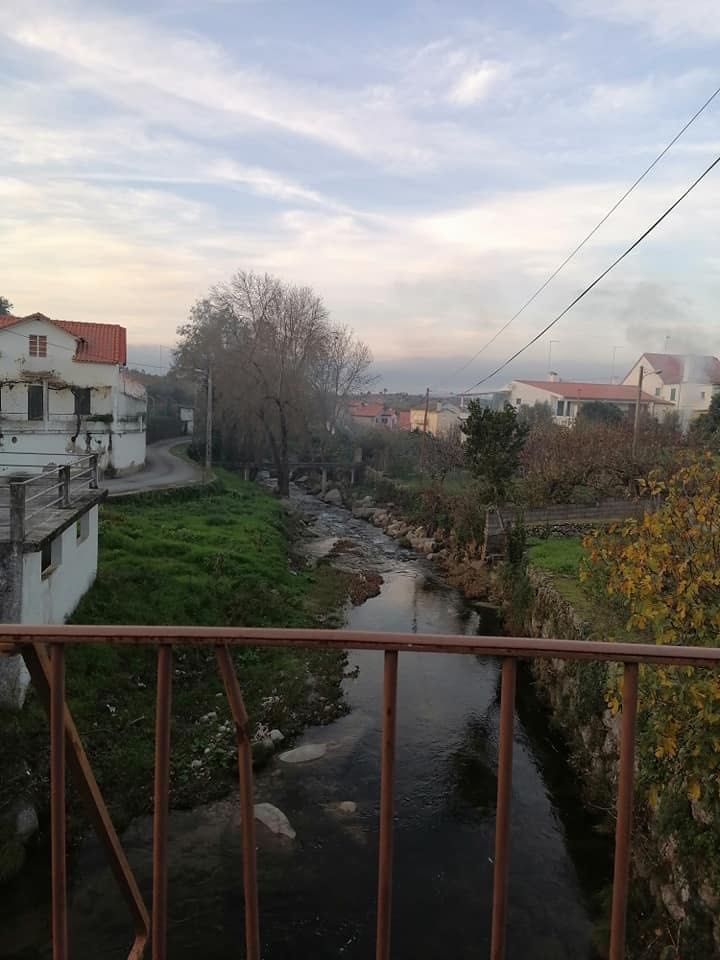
[(554, 378)]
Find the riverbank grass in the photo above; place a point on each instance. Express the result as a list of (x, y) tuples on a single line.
[(202, 557)]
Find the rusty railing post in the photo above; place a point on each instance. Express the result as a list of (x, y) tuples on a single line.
[(247, 808), (387, 799), (57, 803), (39, 666), (161, 802), (623, 827), (502, 812)]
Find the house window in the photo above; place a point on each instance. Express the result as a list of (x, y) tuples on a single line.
[(50, 556), (36, 393), (82, 401), (702, 394), (560, 412), (38, 345), (673, 393), (82, 528), (658, 391)]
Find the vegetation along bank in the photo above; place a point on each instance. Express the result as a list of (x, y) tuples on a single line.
[(224, 556)]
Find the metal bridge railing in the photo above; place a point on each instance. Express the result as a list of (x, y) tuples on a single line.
[(48, 673)]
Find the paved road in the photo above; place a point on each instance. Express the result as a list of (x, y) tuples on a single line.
[(162, 469)]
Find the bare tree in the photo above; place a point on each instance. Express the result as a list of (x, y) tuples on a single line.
[(340, 370), (279, 366)]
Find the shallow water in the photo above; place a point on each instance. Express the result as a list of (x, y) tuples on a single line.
[(317, 892)]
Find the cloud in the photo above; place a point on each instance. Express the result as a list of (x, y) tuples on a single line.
[(169, 75), (668, 20), (474, 85)]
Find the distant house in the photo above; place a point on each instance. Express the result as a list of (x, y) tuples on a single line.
[(442, 417), (566, 397), (403, 420), (64, 390), (686, 381), (373, 413)]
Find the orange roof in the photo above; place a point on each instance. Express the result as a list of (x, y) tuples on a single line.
[(367, 409), (574, 390), (96, 342)]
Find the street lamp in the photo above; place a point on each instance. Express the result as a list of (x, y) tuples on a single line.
[(636, 427)]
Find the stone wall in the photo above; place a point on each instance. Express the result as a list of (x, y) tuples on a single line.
[(673, 893)]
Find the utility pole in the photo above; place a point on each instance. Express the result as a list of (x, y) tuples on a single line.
[(425, 426), (636, 427), (427, 404), (208, 427)]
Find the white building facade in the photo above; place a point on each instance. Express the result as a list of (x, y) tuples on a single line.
[(64, 390), (687, 381), (566, 398)]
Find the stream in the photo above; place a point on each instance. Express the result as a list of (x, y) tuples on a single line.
[(317, 891)]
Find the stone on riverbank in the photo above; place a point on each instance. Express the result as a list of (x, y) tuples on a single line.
[(304, 754)]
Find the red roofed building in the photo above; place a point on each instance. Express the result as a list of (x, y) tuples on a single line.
[(373, 413), (64, 390), (566, 397)]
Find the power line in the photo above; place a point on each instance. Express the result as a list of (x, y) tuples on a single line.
[(597, 280), (592, 233)]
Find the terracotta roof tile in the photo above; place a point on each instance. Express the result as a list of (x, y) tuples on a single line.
[(575, 390), (680, 368), (96, 342)]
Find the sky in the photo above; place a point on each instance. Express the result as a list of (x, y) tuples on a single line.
[(422, 165)]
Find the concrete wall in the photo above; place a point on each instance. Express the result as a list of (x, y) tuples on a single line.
[(116, 400), (52, 596)]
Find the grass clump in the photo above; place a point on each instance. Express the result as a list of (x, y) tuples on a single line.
[(556, 554)]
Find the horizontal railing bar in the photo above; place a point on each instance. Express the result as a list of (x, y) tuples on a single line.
[(43, 509), (523, 647), (44, 492)]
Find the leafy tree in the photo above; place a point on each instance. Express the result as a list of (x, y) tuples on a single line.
[(664, 570), (535, 414), (597, 411), (494, 442), (5, 306), (705, 431)]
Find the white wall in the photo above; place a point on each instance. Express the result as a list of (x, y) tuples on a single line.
[(52, 437), (529, 395), (128, 452), (53, 597)]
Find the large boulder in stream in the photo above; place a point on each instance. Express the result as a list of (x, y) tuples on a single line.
[(333, 497), (274, 819)]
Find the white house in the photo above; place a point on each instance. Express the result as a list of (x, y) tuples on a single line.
[(64, 390), (566, 397), (687, 381)]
